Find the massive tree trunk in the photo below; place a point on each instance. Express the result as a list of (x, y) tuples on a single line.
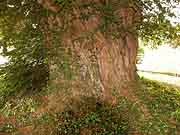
[(117, 64), (115, 59)]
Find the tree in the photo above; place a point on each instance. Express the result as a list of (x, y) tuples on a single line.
[(109, 31), (101, 34)]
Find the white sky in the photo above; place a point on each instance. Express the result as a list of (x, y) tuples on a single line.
[(164, 59), (2, 60)]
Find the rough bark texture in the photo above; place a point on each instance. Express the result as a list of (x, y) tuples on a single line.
[(115, 59)]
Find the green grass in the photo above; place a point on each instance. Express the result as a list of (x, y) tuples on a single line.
[(163, 101), (94, 118)]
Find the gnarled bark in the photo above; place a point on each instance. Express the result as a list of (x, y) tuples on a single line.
[(115, 58)]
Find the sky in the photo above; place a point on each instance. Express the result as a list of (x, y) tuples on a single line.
[(2, 60), (163, 59)]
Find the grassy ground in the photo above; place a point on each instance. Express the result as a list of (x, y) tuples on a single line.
[(28, 115), (163, 100)]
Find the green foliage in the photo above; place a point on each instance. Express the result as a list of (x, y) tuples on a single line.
[(27, 68), (61, 59), (18, 107), (20, 110), (102, 121), (176, 114), (111, 22), (7, 128), (165, 97), (158, 26), (22, 42), (164, 103), (156, 126), (65, 4)]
